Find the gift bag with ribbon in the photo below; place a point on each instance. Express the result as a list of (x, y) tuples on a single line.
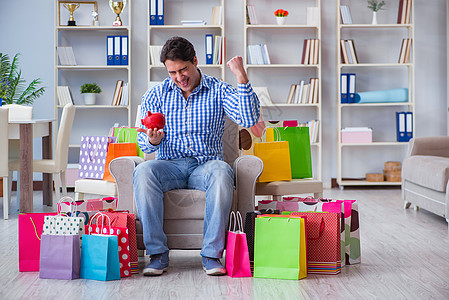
[(276, 159), (117, 150), (92, 159), (237, 255), (128, 135), (323, 242), (60, 246), (123, 243), (30, 231), (280, 248), (300, 153), (100, 255), (127, 220)]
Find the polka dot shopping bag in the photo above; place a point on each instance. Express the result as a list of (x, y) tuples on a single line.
[(93, 151)]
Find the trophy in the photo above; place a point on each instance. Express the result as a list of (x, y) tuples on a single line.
[(117, 7), (71, 7), (94, 15)]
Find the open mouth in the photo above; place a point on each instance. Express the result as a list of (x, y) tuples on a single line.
[(184, 83)]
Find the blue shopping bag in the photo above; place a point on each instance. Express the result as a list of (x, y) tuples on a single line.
[(99, 257)]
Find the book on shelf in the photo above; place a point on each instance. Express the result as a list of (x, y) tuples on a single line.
[(64, 95), (258, 54), (305, 93), (125, 95), (313, 130), (66, 56), (160, 12), (313, 16), (251, 16), (352, 51), (155, 55), (407, 51), (193, 22), (344, 54), (404, 11), (153, 12), (310, 52), (264, 95), (217, 13), (217, 52), (402, 51), (291, 93), (349, 55), (345, 14), (117, 92)]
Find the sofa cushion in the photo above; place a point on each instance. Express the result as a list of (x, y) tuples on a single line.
[(428, 171)]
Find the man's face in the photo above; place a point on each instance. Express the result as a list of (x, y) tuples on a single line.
[(184, 74)]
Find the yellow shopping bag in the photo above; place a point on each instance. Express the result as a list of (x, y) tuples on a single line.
[(276, 161)]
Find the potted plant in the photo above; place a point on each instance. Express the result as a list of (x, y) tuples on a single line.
[(281, 16), (13, 88), (375, 6), (90, 90)]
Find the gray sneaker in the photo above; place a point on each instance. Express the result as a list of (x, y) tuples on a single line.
[(158, 265), (213, 266)]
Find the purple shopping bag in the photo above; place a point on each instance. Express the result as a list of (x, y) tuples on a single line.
[(92, 159), (60, 257)]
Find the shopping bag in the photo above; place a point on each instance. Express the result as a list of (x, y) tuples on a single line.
[(276, 160), (107, 203), (60, 257), (300, 153), (128, 135), (99, 257), (280, 248), (237, 255), (30, 231), (123, 245), (323, 242), (125, 219), (92, 159), (117, 150)]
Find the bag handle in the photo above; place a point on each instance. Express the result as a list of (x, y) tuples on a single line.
[(239, 222), (322, 225), (236, 218), (232, 218), (95, 217), (35, 229), (277, 135), (127, 137), (72, 206)]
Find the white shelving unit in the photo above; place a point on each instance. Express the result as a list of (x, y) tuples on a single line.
[(383, 71), (285, 44), (174, 12), (89, 46)]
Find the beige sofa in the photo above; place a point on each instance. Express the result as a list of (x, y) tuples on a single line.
[(184, 209), (425, 174)]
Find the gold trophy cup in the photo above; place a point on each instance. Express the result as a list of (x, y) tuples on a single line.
[(117, 7), (71, 7)]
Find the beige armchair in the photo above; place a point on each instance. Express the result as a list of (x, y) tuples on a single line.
[(184, 209), (425, 174)]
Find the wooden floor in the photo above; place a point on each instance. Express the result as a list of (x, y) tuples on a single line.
[(405, 255)]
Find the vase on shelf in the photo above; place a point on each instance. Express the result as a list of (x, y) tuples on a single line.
[(89, 98), (374, 21), (281, 20)]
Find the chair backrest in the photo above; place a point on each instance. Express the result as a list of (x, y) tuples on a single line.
[(3, 142), (230, 140), (62, 141)]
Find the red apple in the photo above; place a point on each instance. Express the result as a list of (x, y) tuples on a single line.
[(154, 120)]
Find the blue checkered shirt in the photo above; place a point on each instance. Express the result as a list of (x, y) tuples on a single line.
[(194, 127)]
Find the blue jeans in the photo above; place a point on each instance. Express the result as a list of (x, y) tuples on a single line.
[(154, 177)]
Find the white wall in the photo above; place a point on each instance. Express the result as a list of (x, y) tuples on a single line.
[(29, 30)]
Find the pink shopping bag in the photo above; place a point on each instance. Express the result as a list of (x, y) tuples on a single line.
[(237, 255)]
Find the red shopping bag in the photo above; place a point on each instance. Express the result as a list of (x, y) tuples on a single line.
[(323, 242), (237, 255), (127, 220), (30, 231)]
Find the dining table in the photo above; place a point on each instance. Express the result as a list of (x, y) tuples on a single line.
[(25, 131)]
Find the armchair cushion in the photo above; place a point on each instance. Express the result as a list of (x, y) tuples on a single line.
[(429, 171)]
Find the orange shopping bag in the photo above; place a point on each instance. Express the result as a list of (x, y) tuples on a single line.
[(117, 150)]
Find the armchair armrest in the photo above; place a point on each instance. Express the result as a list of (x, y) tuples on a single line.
[(122, 169), (247, 168), (434, 146)]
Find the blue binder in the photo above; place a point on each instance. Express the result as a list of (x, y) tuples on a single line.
[(124, 52), (160, 12), (344, 87), (153, 12), (401, 127), (351, 88), (117, 50), (409, 125), (110, 50), (209, 49)]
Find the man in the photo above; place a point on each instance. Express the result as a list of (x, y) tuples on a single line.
[(189, 150)]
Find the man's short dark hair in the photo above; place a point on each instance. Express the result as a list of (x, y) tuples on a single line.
[(178, 48)]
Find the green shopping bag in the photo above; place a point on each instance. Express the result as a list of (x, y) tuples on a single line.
[(280, 248), (300, 154), (128, 135)]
